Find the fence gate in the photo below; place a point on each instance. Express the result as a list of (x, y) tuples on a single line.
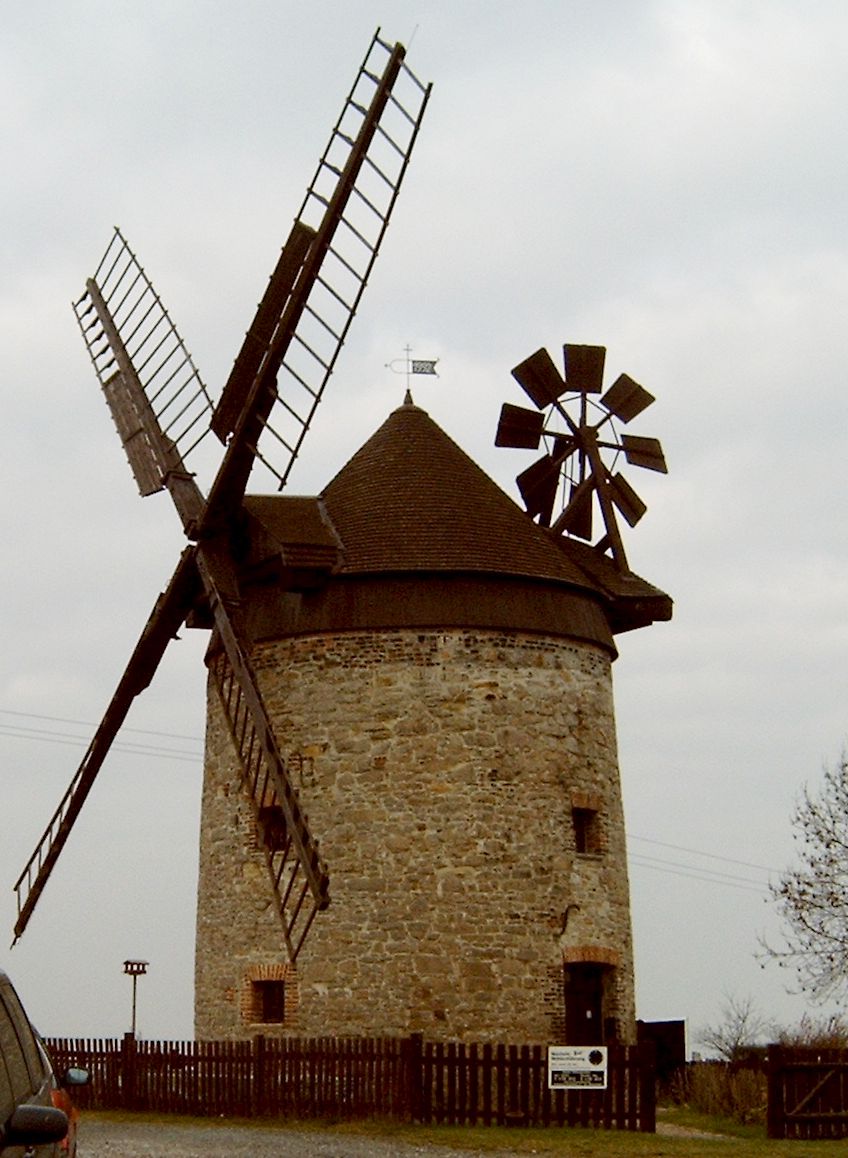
[(807, 1093)]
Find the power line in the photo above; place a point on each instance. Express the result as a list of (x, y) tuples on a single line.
[(700, 852), (72, 740), (89, 724), (82, 742), (692, 872), (705, 873)]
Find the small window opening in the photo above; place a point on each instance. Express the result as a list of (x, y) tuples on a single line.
[(587, 831), (269, 1002), (272, 827)]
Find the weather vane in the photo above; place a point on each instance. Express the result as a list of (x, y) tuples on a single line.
[(408, 365)]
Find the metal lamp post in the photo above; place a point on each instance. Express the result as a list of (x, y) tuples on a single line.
[(135, 969)]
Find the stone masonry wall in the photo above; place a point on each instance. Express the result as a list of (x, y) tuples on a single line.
[(440, 771)]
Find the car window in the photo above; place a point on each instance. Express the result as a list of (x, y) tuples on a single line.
[(13, 1056), (26, 1037)]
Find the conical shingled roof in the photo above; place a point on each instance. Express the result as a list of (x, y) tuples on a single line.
[(411, 500)]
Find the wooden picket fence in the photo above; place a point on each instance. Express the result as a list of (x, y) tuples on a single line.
[(807, 1093), (406, 1079)]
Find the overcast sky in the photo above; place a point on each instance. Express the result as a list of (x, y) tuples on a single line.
[(664, 178)]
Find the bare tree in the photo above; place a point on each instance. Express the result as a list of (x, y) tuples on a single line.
[(741, 1028), (812, 897)]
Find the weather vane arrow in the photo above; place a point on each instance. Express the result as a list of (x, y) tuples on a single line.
[(408, 365)]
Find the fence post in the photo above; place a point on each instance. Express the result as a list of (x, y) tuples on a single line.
[(775, 1116), (647, 1054), (129, 1089), (413, 1054), (257, 1077)]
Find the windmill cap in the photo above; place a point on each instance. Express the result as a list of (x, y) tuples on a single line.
[(412, 533)]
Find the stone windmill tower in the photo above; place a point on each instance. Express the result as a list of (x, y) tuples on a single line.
[(439, 666)]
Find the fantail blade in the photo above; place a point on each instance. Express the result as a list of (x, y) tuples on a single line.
[(626, 398), (538, 487), (576, 519), (519, 427), (584, 368), (539, 378), (626, 499), (645, 452)]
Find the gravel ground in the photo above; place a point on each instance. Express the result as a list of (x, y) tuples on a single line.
[(99, 1138), (104, 1139)]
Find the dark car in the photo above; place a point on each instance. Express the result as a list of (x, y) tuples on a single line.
[(31, 1122)]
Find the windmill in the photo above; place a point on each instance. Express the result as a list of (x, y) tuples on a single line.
[(564, 488), (163, 411)]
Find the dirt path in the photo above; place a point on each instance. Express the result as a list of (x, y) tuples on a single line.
[(670, 1130), (102, 1139)]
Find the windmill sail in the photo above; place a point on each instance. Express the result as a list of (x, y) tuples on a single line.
[(296, 872), (162, 411), (348, 206), (129, 335), (265, 777), (165, 620)]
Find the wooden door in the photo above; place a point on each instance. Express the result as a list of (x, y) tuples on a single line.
[(584, 1004)]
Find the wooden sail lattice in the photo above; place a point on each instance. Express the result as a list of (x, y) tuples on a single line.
[(129, 333), (298, 877), (348, 204)]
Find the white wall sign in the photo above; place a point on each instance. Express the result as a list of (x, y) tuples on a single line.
[(577, 1067)]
